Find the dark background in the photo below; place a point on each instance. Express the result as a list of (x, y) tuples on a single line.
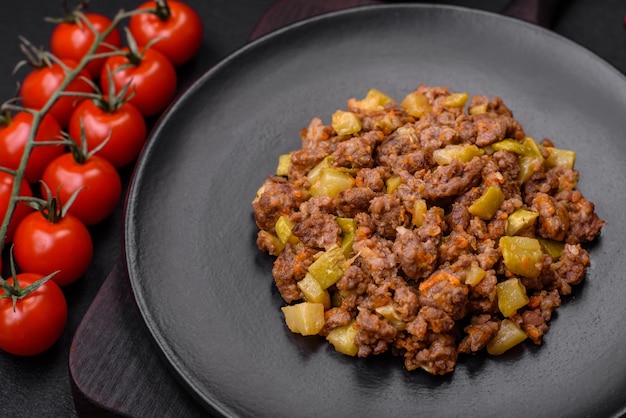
[(40, 386)]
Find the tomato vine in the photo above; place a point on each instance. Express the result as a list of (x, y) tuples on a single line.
[(101, 128), (38, 115), (71, 74)]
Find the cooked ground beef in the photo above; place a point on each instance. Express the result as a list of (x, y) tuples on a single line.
[(417, 198), (289, 268), (277, 197), (314, 226)]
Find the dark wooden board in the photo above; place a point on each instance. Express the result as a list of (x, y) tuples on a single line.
[(114, 368)]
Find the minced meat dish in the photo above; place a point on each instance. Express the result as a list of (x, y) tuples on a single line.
[(428, 228)]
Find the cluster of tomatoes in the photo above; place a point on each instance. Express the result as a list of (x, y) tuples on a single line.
[(96, 126)]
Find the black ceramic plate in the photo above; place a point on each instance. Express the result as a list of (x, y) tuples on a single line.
[(206, 292)]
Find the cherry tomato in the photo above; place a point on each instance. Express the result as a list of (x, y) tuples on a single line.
[(98, 180), (13, 137), (41, 83), (176, 24), (152, 77), (37, 321), (72, 39), (124, 127), (43, 247), (21, 209)]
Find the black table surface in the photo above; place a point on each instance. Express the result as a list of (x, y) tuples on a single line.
[(40, 385)]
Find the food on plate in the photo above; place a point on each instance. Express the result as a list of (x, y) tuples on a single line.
[(428, 228)]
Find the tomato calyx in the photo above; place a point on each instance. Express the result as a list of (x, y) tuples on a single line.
[(5, 116), (134, 54), (69, 15), (51, 208), (15, 291), (81, 152), (36, 57), (113, 101), (162, 10)]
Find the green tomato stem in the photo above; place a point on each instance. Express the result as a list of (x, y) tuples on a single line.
[(71, 75), (162, 10)]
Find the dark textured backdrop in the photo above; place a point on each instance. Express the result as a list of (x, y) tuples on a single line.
[(40, 386)]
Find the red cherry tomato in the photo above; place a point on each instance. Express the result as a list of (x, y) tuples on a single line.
[(72, 39), (21, 209), (176, 24), (43, 247), (37, 321), (41, 83), (13, 137), (124, 127), (98, 180), (152, 78)]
